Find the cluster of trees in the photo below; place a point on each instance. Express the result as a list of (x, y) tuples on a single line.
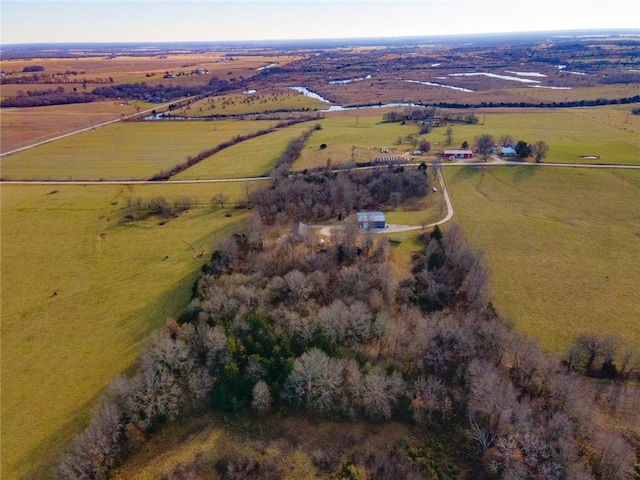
[(138, 209), (136, 91), (485, 143), (410, 114), (317, 196), (282, 326), (42, 98), (167, 174), (151, 93), (33, 68), (603, 357), (537, 150)]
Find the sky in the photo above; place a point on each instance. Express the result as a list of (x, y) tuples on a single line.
[(53, 21)]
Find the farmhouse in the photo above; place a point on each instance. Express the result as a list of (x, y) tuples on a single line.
[(508, 151), (452, 154), (371, 220)]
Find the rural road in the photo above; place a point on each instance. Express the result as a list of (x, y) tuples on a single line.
[(86, 129), (326, 230)]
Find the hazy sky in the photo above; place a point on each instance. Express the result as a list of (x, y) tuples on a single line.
[(27, 21)]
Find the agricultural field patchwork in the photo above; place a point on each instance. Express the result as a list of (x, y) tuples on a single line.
[(82, 288), (250, 158), (123, 151)]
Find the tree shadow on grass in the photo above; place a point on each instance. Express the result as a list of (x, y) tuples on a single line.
[(523, 173), (42, 460), (467, 173)]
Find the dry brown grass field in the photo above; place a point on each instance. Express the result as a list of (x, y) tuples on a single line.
[(125, 69), (20, 127), (386, 88)]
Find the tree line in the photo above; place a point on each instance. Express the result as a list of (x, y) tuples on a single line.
[(193, 160), (130, 91)]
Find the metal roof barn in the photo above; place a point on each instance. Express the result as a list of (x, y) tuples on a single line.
[(371, 220)]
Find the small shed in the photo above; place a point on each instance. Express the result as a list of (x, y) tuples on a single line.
[(508, 151), (453, 154), (371, 220)]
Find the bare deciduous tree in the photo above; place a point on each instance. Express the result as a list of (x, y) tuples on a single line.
[(484, 144), (314, 381), (539, 150), (261, 397)]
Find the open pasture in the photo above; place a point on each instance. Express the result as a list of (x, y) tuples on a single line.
[(127, 150), (356, 136), (250, 158), (80, 290), (562, 246), (20, 127), (605, 132), (258, 102)]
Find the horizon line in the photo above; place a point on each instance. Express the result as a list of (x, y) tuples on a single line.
[(632, 32)]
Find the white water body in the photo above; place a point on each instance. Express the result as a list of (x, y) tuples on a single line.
[(266, 67), (527, 74), (493, 75), (550, 88), (308, 93), (340, 108), (441, 85), (348, 80)]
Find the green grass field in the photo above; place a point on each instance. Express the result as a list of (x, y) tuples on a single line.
[(258, 102), (250, 158), (135, 150), (79, 292), (570, 133), (563, 246), (365, 132)]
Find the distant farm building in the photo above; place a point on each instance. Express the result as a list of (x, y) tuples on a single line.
[(455, 154), (508, 151), (371, 220)]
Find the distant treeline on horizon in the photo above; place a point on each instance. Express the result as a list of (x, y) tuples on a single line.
[(62, 49)]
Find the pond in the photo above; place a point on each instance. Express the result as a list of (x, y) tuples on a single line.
[(348, 80)]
